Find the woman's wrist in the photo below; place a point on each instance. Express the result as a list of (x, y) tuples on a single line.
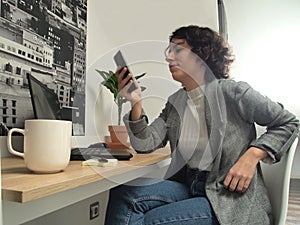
[(257, 153), (136, 110)]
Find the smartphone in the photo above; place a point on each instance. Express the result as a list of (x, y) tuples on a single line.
[(120, 62)]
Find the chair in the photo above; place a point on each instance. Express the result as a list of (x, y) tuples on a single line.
[(277, 180)]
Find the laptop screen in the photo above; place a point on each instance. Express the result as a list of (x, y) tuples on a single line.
[(44, 100)]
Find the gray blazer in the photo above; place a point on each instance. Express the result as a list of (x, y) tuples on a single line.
[(232, 109)]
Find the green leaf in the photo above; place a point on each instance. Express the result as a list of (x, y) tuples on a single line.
[(140, 76)]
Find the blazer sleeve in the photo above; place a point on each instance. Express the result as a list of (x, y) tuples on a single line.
[(144, 137), (282, 126)]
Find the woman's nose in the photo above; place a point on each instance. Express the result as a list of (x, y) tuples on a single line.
[(169, 57)]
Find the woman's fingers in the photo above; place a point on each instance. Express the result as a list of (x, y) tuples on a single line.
[(123, 79)]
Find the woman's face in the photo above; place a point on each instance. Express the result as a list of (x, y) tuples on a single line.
[(184, 65)]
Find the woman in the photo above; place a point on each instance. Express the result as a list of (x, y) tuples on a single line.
[(214, 176)]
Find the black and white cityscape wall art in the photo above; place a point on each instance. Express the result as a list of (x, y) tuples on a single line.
[(47, 39)]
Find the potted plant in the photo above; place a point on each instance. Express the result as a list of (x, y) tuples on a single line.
[(110, 81)]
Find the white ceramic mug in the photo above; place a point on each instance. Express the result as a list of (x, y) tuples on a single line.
[(47, 144)]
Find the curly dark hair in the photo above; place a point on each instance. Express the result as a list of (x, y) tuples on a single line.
[(209, 46)]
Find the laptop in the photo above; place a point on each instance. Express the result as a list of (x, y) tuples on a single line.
[(44, 100), (46, 105)]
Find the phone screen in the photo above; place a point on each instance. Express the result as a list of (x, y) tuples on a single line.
[(120, 62)]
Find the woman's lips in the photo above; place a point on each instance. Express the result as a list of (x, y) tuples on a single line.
[(172, 67)]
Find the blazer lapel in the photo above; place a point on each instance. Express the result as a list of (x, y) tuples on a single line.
[(215, 112)]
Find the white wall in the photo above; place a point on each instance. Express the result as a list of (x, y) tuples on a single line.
[(265, 38)]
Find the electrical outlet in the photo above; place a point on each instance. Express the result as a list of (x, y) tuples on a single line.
[(94, 210)]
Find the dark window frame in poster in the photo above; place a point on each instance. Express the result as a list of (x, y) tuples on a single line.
[(47, 39)]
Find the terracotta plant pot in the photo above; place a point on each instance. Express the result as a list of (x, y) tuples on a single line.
[(118, 134)]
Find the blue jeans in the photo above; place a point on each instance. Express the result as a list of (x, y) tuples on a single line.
[(160, 202)]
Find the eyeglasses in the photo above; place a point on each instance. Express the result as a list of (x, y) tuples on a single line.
[(175, 49)]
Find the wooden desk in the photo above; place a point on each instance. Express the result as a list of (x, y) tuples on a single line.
[(23, 190)]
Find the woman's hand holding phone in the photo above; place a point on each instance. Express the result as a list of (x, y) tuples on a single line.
[(128, 87), (125, 82), (121, 63)]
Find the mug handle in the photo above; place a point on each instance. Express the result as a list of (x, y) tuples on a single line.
[(9, 145)]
